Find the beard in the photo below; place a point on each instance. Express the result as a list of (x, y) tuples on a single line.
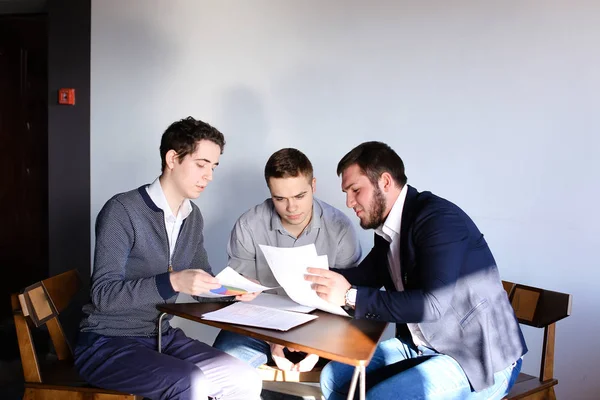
[(377, 207)]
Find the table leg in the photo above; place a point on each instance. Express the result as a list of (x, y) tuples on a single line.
[(363, 382), (359, 371), (162, 315)]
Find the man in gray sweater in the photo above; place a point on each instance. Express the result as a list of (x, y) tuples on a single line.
[(149, 248)]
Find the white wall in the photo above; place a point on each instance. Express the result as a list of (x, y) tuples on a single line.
[(493, 106)]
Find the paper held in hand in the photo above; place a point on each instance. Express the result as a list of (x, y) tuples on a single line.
[(289, 267), (233, 284)]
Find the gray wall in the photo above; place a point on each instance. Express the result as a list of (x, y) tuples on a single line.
[(491, 105)]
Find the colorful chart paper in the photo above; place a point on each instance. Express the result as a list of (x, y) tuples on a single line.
[(228, 291)]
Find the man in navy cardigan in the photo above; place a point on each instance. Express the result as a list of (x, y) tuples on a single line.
[(457, 336)]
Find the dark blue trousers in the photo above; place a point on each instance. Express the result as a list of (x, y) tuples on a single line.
[(133, 365)]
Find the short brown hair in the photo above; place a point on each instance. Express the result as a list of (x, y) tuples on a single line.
[(287, 163), (183, 137), (374, 158)]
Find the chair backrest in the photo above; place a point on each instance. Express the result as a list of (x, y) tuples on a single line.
[(38, 305), (540, 308)]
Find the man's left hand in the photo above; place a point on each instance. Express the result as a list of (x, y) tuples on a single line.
[(250, 295), (329, 285), (247, 296)]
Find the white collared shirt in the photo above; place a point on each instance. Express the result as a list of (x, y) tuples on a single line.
[(172, 222), (390, 231)]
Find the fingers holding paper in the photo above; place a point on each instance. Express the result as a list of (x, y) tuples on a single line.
[(250, 295), (247, 296), (329, 285), (193, 281)]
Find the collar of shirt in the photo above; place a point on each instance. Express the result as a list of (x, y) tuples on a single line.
[(390, 229), (315, 221), (157, 195)]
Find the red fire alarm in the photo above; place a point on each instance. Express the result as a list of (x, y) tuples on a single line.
[(66, 96)]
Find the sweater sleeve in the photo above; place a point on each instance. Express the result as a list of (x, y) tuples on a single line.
[(115, 238), (349, 251), (241, 251)]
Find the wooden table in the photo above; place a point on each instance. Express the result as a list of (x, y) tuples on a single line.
[(337, 338)]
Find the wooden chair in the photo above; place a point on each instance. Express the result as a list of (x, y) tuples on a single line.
[(541, 309), (39, 305)]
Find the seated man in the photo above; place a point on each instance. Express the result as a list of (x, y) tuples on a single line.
[(291, 217), (457, 336), (149, 248)]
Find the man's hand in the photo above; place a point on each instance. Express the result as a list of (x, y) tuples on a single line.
[(193, 281), (307, 364), (284, 364), (329, 285), (248, 296), (279, 357)]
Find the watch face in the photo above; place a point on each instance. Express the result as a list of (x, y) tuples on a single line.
[(351, 297)]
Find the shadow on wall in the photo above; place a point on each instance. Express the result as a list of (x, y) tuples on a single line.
[(323, 103), (240, 180)]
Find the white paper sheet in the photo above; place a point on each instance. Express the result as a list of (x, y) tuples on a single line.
[(232, 284), (289, 267), (280, 302), (263, 317)]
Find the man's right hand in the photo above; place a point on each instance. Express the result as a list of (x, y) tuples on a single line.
[(193, 281)]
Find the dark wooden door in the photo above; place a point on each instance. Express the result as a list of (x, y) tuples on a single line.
[(23, 154)]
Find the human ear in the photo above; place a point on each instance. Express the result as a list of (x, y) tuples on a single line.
[(170, 158), (386, 182)]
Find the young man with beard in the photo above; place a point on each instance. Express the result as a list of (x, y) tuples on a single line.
[(457, 336), (150, 248), (291, 217)]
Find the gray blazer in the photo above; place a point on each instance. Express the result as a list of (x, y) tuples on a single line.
[(452, 290)]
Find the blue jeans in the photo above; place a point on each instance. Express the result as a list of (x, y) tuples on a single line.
[(255, 352), (398, 371)]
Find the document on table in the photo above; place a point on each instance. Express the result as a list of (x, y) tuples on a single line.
[(233, 284), (280, 302), (289, 267), (242, 313)]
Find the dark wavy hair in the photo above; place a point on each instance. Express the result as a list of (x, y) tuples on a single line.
[(183, 137), (374, 158)]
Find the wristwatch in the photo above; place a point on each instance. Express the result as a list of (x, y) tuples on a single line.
[(350, 297)]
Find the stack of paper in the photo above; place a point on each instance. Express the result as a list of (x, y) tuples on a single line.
[(263, 317), (280, 302), (289, 267)]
